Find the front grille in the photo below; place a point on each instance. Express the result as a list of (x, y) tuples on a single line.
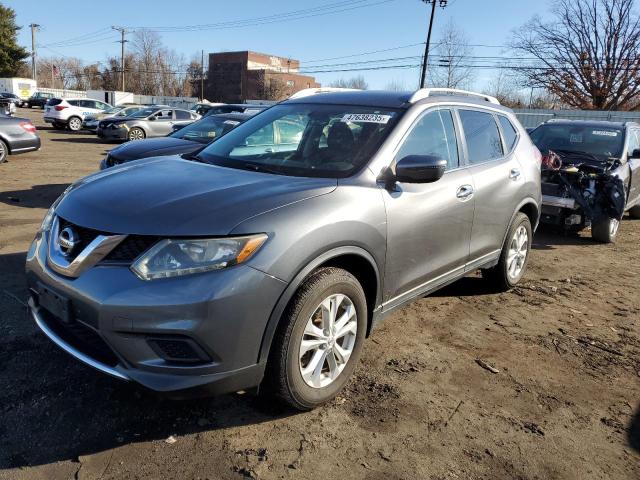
[(81, 338), (130, 248), (86, 236), (125, 252)]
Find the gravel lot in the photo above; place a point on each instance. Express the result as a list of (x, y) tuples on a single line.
[(564, 404)]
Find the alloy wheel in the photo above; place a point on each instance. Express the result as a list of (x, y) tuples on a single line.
[(75, 124), (136, 134), (518, 250), (328, 341)]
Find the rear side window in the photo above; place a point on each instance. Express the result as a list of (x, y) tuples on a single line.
[(182, 115), (74, 103), (435, 135), (482, 135), (509, 132)]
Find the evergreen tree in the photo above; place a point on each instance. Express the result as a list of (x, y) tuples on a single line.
[(11, 54)]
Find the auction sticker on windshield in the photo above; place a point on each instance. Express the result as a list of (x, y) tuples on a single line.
[(605, 133), (366, 118)]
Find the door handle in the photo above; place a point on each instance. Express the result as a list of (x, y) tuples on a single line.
[(464, 192), (269, 150), (514, 174)]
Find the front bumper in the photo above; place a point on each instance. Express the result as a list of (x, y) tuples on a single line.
[(91, 125), (116, 317), (113, 133)]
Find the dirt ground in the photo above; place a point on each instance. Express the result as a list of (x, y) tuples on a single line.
[(565, 402)]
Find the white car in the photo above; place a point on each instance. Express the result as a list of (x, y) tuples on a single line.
[(71, 112)]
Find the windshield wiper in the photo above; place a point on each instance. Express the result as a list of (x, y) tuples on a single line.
[(261, 168)]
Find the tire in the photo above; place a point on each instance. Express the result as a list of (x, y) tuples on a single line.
[(136, 134), (284, 377), (4, 152), (634, 212), (605, 231), (514, 256), (74, 124)]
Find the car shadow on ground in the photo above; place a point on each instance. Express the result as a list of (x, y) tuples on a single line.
[(633, 431), (92, 140), (472, 286), (38, 196), (53, 408), (548, 238)]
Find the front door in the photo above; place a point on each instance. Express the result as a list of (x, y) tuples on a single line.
[(428, 225), (163, 124)]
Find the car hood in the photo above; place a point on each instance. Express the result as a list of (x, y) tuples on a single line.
[(153, 147), (174, 197)]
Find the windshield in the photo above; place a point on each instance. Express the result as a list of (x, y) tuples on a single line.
[(206, 130), (143, 113), (594, 140), (306, 140)]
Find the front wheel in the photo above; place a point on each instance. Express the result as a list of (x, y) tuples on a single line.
[(4, 152), (514, 257), (319, 340), (135, 134), (605, 230)]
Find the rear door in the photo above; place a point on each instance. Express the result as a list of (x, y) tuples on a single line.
[(497, 180), (182, 117)]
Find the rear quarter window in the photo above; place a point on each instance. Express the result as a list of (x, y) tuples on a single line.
[(54, 101), (509, 132)]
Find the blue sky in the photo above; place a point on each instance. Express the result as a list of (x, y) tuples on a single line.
[(379, 25)]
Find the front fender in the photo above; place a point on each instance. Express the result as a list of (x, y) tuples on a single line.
[(287, 295)]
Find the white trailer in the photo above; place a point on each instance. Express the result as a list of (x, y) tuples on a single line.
[(22, 87)]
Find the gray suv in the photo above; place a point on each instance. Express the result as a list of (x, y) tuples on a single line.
[(246, 265)]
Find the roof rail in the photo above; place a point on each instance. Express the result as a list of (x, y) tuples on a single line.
[(429, 92), (314, 91)]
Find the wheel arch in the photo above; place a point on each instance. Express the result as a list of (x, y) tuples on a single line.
[(355, 260), (7, 143), (531, 209)]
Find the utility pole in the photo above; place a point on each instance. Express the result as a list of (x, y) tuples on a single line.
[(202, 77), (122, 41), (425, 60), (34, 27)]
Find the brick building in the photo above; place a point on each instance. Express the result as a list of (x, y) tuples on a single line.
[(235, 77)]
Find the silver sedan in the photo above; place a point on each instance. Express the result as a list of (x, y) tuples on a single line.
[(145, 123)]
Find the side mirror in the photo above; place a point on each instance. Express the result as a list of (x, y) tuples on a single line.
[(419, 169), (636, 153), (152, 118)]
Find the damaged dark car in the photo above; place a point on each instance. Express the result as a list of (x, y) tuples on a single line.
[(590, 174)]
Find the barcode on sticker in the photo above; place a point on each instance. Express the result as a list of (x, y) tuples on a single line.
[(366, 118), (606, 133)]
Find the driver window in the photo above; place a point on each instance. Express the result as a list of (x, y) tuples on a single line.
[(433, 134), (164, 115)]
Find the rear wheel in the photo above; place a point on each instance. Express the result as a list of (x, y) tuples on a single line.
[(605, 230), (135, 134), (514, 257), (75, 124), (634, 212), (319, 340), (4, 152)]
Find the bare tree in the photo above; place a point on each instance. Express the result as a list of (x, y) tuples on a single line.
[(354, 82), (452, 68), (588, 56), (396, 86), (505, 88)]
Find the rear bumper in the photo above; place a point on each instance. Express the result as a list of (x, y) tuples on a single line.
[(55, 120)]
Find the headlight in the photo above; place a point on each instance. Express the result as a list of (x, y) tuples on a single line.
[(45, 226), (174, 258)]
